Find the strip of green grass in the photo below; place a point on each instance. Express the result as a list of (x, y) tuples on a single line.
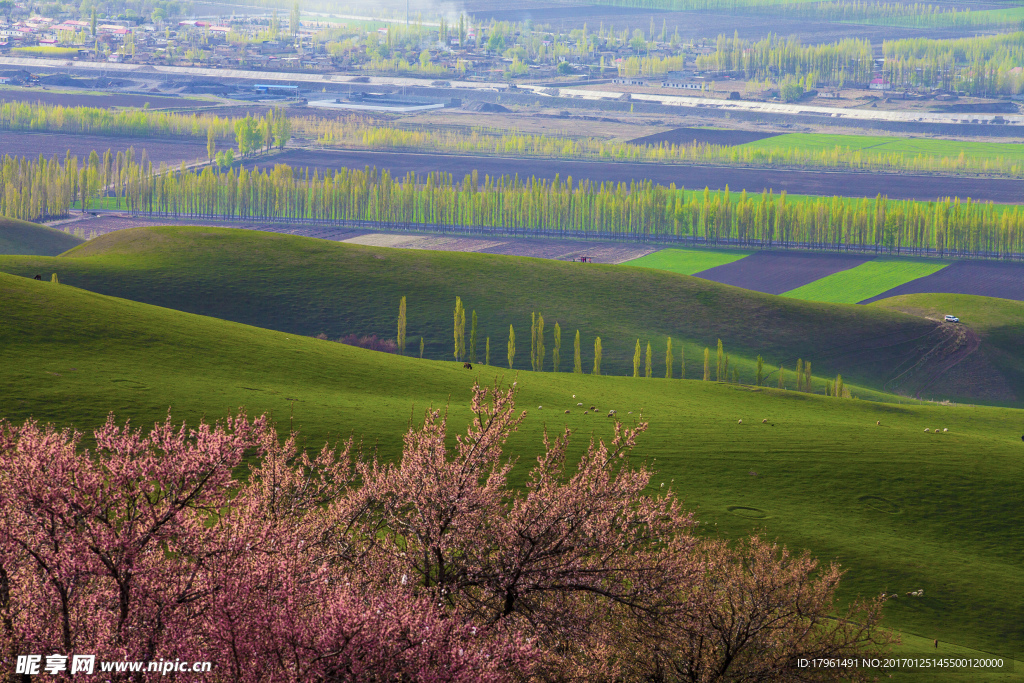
[(864, 281), (816, 142), (687, 261), (899, 508)]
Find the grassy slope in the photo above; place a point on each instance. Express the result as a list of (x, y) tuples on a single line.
[(309, 286), (999, 323), (881, 144), (22, 237), (687, 261), (952, 527), (865, 281)]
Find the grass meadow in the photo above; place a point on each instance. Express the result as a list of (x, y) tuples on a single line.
[(865, 281), (900, 508)]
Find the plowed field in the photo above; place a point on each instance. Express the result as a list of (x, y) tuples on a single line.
[(774, 272), (31, 145), (983, 278)]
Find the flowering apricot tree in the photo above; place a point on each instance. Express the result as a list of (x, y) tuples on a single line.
[(223, 543)]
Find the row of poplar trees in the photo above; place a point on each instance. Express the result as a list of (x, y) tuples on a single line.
[(538, 354)]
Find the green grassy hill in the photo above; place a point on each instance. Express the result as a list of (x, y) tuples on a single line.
[(307, 286), (997, 366), (22, 237), (900, 508)]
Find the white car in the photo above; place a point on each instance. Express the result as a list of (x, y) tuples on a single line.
[(952, 319)]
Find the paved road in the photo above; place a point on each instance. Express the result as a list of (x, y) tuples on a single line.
[(895, 186)]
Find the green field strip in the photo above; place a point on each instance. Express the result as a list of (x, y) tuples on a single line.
[(814, 142), (687, 261), (864, 281)]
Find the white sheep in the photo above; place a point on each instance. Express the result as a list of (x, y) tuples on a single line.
[(945, 429), (611, 412), (540, 407), (579, 405), (739, 422), (764, 421), (878, 423), (926, 429)]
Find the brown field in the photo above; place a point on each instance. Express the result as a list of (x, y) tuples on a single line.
[(983, 278), (775, 272), (73, 99), (849, 184), (174, 151), (707, 136)]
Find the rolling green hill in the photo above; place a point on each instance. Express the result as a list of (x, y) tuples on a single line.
[(307, 286), (900, 508), (997, 365), (22, 237)]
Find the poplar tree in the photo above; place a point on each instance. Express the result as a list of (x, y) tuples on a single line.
[(707, 364), (720, 366), (577, 361), (838, 387), (760, 370), (540, 342), (487, 357), (421, 347), (725, 368), (668, 358), (460, 316), (511, 346), (597, 356), (472, 340), (556, 354), (799, 374), (735, 375), (533, 341), (807, 377), (636, 359), (782, 384), (647, 363), (401, 326), (211, 143)]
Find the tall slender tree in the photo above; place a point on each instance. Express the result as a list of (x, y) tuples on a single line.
[(533, 341), (472, 339), (720, 375), (648, 369), (808, 377), (799, 374), (636, 359), (782, 381), (668, 359), (421, 347), (540, 343), (556, 353), (460, 330), (760, 370), (401, 326), (487, 357), (577, 360), (511, 346), (597, 356), (707, 364), (211, 143)]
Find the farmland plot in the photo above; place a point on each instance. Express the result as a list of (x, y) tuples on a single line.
[(864, 281)]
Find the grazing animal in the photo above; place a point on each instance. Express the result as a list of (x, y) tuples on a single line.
[(579, 405), (584, 412), (878, 422), (612, 412), (468, 366), (739, 422), (764, 421), (926, 429), (593, 408), (945, 429), (567, 412), (540, 407), (39, 277)]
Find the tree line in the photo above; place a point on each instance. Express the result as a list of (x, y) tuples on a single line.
[(356, 133), (980, 65)]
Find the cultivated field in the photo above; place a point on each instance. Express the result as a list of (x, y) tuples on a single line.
[(31, 145), (96, 99), (775, 272), (708, 136), (981, 278), (688, 261), (865, 281), (895, 186), (908, 146)]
